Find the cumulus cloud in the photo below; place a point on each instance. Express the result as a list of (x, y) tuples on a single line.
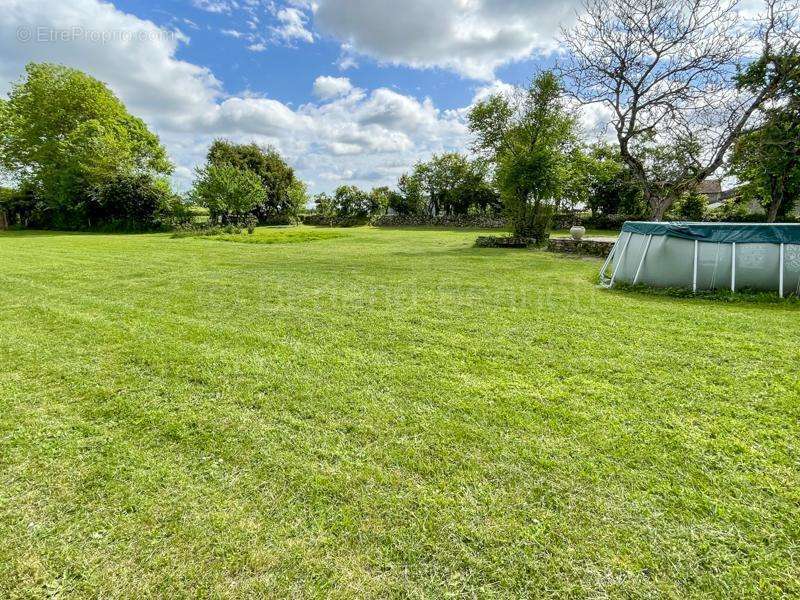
[(327, 88), (292, 26), (471, 37), (371, 135), (493, 89), (136, 57)]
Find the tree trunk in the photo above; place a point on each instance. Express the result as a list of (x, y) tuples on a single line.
[(658, 207), (772, 211), (3, 220), (775, 200)]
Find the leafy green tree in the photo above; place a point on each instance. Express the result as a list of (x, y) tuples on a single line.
[(450, 184), (228, 193), (766, 159), (63, 133), (277, 177), (689, 207), (352, 202), (379, 201), (324, 205), (529, 139), (22, 207), (610, 186), (411, 200), (576, 189), (6, 195), (667, 72), (396, 201), (136, 202), (298, 199)]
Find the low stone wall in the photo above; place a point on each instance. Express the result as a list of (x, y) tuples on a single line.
[(322, 221), (560, 221), (586, 247), (470, 221), (494, 241)]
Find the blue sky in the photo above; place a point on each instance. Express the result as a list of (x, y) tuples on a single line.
[(350, 91), (286, 71)]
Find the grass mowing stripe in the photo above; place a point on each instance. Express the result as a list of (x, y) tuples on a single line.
[(389, 413)]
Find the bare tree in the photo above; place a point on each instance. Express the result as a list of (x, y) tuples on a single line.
[(668, 71)]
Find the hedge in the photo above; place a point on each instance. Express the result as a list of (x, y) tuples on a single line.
[(463, 221), (495, 241)]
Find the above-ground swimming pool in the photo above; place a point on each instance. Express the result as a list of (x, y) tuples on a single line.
[(706, 256)]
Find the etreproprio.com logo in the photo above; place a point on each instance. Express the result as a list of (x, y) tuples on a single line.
[(51, 35)]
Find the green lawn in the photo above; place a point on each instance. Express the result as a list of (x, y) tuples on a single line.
[(384, 414)]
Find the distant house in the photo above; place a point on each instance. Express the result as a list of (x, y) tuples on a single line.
[(735, 194), (711, 189)]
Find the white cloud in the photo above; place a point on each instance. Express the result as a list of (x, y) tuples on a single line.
[(327, 88), (137, 60), (347, 59), (494, 88), (374, 135), (471, 37), (213, 6), (292, 26)]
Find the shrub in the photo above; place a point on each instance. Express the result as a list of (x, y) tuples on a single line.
[(612, 222), (689, 207), (23, 208), (348, 207), (493, 241), (131, 203), (180, 213), (229, 193), (250, 223)]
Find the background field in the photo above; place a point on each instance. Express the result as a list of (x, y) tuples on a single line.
[(384, 413)]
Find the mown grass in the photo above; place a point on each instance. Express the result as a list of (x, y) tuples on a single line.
[(388, 413), (272, 235)]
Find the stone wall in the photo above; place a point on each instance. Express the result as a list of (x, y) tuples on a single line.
[(467, 221), (494, 241), (560, 221), (600, 248), (322, 221)]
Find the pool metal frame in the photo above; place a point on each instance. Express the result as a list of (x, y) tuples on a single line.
[(608, 283)]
